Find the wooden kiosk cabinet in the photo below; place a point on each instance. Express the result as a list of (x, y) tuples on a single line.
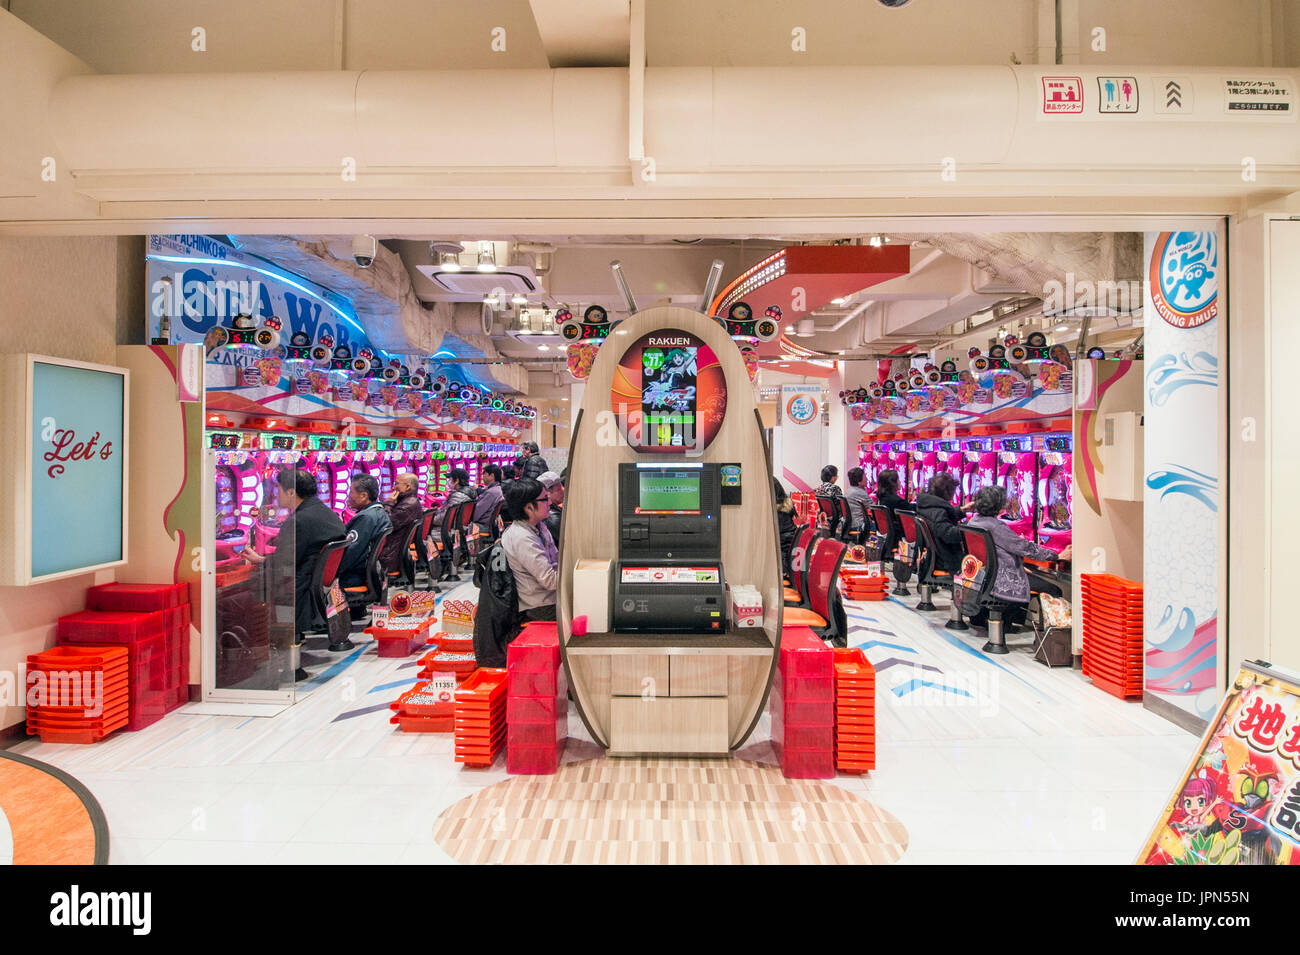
[(697, 693)]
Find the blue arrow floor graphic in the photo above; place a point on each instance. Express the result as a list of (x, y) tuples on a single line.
[(912, 685), (893, 661), (361, 712), (881, 643)]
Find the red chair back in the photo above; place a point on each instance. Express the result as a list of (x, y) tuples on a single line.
[(331, 558), (426, 523), (823, 574), (908, 521), (466, 513), (826, 505), (799, 558), (976, 541), (880, 514)]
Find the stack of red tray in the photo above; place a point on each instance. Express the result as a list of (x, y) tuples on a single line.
[(855, 712), (77, 694), (399, 641), (802, 706), (1112, 634), (173, 601), (537, 702), (858, 582), (425, 708), (481, 717), (144, 635)]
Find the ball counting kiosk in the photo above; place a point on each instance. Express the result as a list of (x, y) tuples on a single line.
[(676, 518)]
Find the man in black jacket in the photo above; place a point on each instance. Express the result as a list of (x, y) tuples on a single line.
[(943, 519), (312, 525), (534, 464)]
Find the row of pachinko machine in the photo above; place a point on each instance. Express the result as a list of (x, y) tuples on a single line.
[(1034, 469), (247, 463)]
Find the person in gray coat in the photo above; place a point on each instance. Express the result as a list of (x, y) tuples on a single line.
[(1012, 583)]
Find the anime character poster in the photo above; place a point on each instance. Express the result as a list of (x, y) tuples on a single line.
[(1239, 801), (669, 393)]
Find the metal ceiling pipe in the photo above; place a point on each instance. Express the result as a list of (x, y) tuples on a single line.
[(711, 286)]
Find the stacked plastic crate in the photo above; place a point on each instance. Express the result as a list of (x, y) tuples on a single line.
[(1112, 634), (802, 706), (144, 635), (537, 702), (855, 712), (77, 694), (480, 714), (173, 602)]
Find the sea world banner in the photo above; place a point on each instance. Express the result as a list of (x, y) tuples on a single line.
[(803, 439), (198, 282), (1183, 434)]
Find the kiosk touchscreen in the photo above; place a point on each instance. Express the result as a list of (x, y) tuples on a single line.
[(669, 577)]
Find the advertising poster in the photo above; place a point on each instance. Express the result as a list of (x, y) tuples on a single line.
[(1181, 461), (802, 437), (1239, 801), (669, 394), (78, 441)]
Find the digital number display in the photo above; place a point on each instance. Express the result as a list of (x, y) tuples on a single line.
[(1010, 444), (360, 444), (326, 444), (412, 445), (387, 444), (281, 442), (1058, 444), (224, 441)]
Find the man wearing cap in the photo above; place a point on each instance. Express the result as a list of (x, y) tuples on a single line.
[(554, 485)]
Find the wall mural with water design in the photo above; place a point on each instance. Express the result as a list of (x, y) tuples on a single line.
[(1182, 439)]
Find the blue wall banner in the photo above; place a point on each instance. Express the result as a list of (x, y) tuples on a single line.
[(67, 468)]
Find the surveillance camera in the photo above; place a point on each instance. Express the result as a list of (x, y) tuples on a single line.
[(364, 249)]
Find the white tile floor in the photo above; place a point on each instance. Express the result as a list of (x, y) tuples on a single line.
[(1033, 765)]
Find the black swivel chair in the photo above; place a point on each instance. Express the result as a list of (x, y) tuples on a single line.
[(375, 589), (404, 576), (929, 576)]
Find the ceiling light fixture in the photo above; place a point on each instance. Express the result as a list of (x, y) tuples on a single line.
[(839, 301), (876, 242), (543, 347), (449, 262), (518, 299), (487, 259)]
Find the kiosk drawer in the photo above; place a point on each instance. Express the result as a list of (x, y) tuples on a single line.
[(698, 675), (628, 674), (680, 725)]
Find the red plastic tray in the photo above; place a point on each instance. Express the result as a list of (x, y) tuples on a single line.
[(110, 627), (806, 689), (536, 709), (404, 703), (77, 658), (452, 642), (485, 685), (72, 735), (137, 597), (806, 763), (422, 724), (536, 734)]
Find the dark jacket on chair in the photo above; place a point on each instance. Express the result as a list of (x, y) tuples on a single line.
[(894, 503), (403, 513), (535, 466), (496, 620), (786, 531), (367, 526), (943, 519)]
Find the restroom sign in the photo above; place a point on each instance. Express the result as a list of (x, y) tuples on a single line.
[(1062, 94), (1117, 94)]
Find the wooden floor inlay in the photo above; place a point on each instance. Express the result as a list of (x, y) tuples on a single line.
[(668, 812), (49, 822)]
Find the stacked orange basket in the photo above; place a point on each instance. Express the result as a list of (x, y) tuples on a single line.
[(393, 641), (481, 717), (77, 694), (863, 582), (855, 712), (1112, 634)]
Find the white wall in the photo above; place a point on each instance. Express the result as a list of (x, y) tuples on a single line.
[(69, 298)]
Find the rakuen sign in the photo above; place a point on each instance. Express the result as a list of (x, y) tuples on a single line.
[(67, 513)]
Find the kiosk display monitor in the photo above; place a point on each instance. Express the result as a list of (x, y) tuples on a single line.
[(668, 492)]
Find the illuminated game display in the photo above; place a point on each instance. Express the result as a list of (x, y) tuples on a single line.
[(669, 394), (981, 465), (333, 467), (237, 492), (898, 459), (950, 457)]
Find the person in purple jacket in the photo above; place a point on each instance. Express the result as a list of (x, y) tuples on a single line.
[(1012, 583)]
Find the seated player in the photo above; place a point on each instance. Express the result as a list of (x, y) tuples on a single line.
[(858, 501), (554, 485), (943, 519), (404, 512), (530, 550), (370, 521), (785, 524), (1012, 584)]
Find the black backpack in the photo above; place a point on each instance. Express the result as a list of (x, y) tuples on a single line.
[(496, 622)]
